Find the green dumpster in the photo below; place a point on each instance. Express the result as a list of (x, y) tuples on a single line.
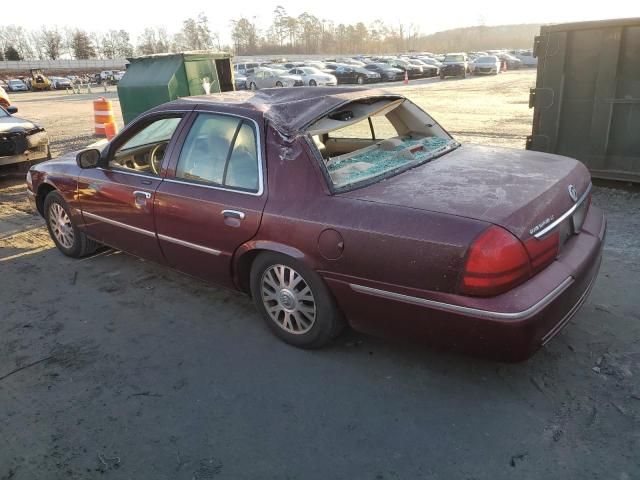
[(151, 80)]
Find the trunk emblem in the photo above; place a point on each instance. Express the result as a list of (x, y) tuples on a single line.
[(573, 193)]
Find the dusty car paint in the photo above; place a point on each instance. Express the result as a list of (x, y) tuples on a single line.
[(391, 253)]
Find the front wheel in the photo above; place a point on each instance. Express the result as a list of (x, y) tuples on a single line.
[(294, 301), (312, 83), (279, 84), (64, 233), (360, 80), (252, 86)]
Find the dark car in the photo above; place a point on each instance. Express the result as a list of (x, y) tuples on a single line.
[(389, 225), (454, 65), (359, 75), (386, 71), (21, 140), (413, 71), (428, 70), (512, 62)]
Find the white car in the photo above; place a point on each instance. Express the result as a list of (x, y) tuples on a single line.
[(312, 77), (489, 65), (527, 58)]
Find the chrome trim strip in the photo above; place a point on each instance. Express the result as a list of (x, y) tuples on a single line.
[(233, 213), (564, 216), (119, 224), (126, 172), (570, 314), (184, 243), (448, 307)]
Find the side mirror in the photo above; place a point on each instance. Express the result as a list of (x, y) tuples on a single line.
[(11, 109), (88, 158)]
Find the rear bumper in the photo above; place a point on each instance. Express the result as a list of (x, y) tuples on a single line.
[(509, 327)]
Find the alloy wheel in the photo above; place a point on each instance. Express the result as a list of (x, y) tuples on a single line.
[(288, 299), (61, 225)]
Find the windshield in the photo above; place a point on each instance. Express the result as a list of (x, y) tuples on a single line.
[(365, 142), (487, 60), (311, 70), (454, 58), (15, 82)]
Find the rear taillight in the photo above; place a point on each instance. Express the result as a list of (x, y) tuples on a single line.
[(496, 262), (543, 251)]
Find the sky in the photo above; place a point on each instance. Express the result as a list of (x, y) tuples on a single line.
[(429, 16)]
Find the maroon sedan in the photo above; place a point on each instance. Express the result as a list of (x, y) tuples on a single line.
[(336, 205)]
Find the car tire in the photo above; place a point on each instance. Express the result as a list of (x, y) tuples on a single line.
[(64, 233), (252, 86), (360, 81), (312, 83), (304, 315), (279, 84)]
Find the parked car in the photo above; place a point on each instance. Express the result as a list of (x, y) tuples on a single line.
[(359, 75), (241, 68), (527, 58), (428, 70), (413, 71), (512, 62), (268, 78), (21, 140), (17, 85), (60, 83), (312, 77), (386, 71), (406, 233), (489, 65), (240, 82), (454, 65)]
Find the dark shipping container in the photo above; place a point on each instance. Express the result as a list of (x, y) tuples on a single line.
[(587, 96)]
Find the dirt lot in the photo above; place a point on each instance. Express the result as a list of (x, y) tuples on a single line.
[(112, 367)]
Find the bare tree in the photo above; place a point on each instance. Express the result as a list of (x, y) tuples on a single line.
[(82, 46), (153, 40)]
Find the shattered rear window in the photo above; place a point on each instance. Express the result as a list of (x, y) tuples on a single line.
[(376, 161), (366, 141)]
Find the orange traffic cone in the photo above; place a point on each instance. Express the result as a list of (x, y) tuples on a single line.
[(406, 77)]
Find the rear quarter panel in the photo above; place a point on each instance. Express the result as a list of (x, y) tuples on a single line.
[(382, 245)]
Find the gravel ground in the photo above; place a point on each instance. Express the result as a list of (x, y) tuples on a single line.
[(112, 367)]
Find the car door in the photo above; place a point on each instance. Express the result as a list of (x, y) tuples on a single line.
[(212, 199), (116, 199)]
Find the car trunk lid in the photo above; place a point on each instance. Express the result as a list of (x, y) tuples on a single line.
[(519, 190)]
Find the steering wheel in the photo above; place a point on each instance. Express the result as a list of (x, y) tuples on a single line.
[(156, 156)]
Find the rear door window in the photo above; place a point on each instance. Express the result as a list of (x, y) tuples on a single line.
[(220, 150)]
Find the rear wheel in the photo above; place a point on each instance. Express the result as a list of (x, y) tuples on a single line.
[(294, 301), (64, 233), (279, 84), (252, 86)]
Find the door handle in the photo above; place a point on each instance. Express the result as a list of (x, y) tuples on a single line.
[(233, 214), (140, 193)]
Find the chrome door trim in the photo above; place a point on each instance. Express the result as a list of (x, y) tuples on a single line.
[(115, 223), (127, 172), (476, 312), (234, 214), (184, 243), (564, 216), (142, 193)]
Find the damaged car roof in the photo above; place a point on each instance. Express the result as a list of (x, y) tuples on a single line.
[(292, 109)]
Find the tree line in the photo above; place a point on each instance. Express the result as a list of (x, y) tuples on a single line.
[(286, 34)]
